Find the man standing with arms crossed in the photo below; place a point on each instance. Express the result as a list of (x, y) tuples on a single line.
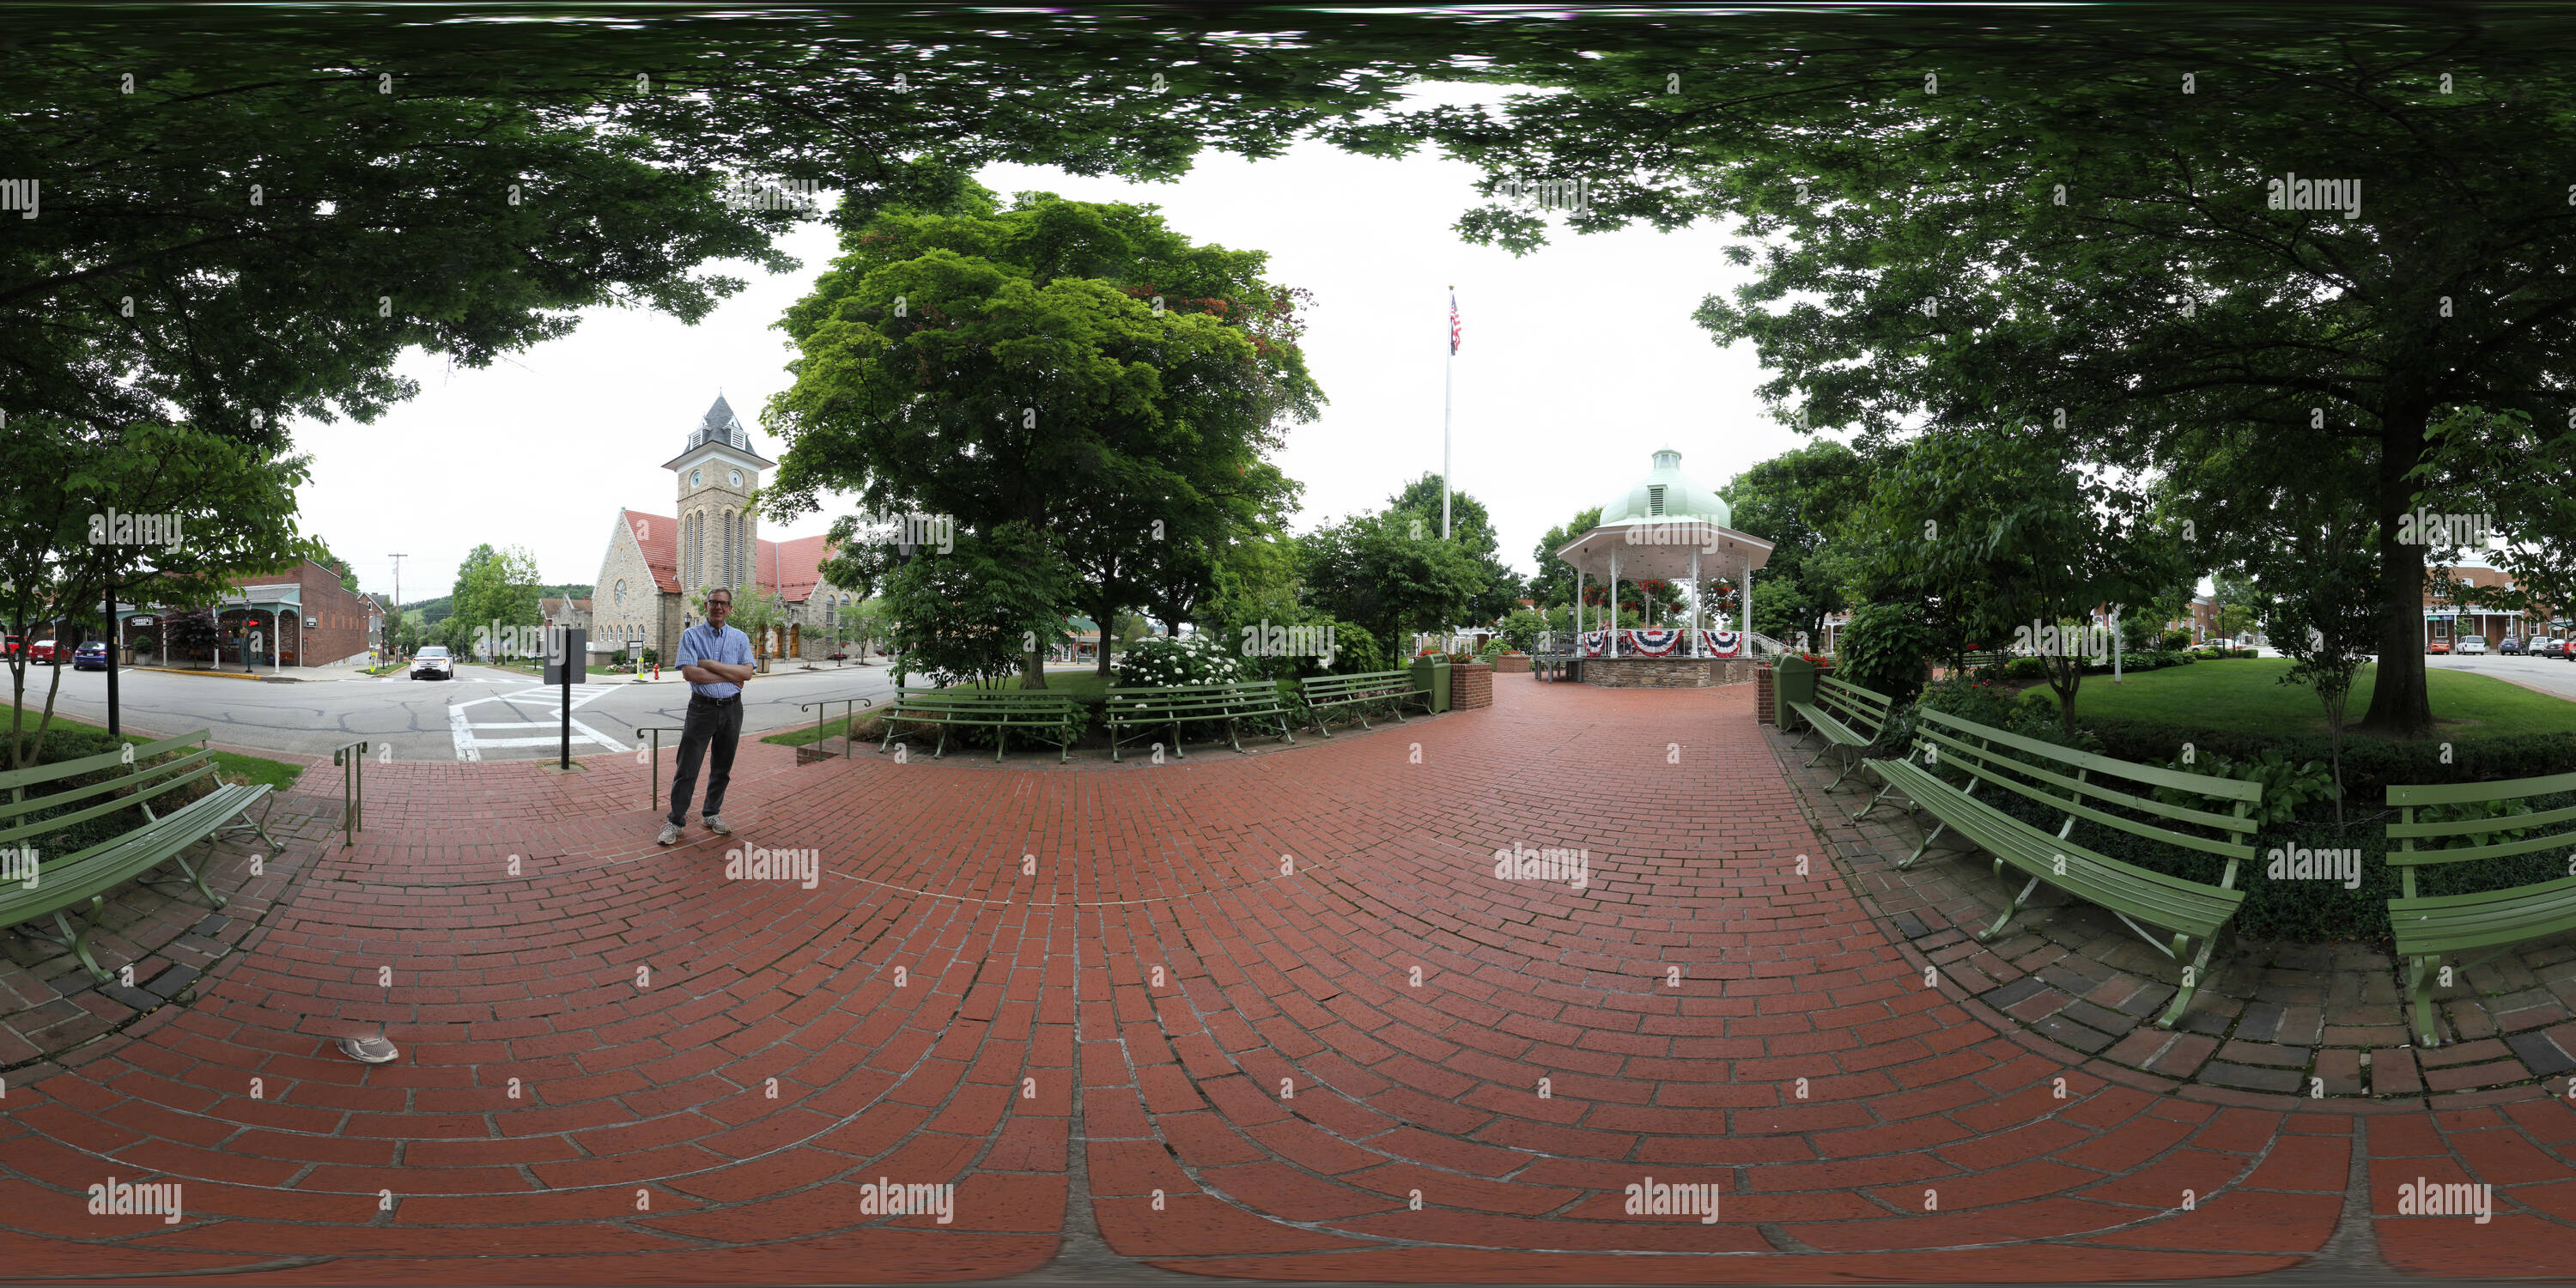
[(716, 661)]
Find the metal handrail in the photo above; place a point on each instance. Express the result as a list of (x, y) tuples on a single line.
[(655, 733), (849, 718), (353, 790)]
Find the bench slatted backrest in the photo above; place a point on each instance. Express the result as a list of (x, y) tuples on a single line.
[(2033, 768), (25, 796), (2556, 827), (1335, 686), (1863, 710)]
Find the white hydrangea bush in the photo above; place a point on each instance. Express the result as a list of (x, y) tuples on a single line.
[(1164, 662)]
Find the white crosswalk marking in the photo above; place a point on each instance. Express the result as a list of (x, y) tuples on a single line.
[(470, 741)]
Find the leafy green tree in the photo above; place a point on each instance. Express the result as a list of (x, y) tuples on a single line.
[(2518, 479), (2239, 602), (2324, 616), (2099, 234), (1792, 500), (1554, 585), (492, 586), (974, 613), (1373, 570), (1079, 370), (61, 546)]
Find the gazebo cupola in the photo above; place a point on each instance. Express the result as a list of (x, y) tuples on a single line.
[(1665, 496)]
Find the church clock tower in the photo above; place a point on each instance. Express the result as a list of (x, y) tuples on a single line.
[(719, 542)]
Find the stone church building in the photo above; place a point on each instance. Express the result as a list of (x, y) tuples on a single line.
[(656, 563)]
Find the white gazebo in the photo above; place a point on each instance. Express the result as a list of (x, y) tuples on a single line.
[(1665, 527)]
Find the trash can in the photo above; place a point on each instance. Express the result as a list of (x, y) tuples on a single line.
[(1793, 681), (1431, 675)]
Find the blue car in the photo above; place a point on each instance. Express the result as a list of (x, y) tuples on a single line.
[(90, 657)]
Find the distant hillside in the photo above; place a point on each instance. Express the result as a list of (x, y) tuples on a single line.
[(434, 611)]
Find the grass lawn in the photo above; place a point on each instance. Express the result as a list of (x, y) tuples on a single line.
[(2246, 695), (233, 768)]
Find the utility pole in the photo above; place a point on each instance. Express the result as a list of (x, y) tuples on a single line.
[(390, 626)]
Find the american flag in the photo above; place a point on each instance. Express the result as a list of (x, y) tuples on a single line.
[(1453, 322)]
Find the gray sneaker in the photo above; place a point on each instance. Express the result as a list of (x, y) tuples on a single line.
[(716, 825), (670, 835)]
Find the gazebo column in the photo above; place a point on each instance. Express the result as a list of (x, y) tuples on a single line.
[(1695, 594), (1744, 596), (1578, 610), (1613, 627)]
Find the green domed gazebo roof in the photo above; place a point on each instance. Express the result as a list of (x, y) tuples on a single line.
[(1664, 496)]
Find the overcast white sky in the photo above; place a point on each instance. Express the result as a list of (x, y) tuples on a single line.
[(1577, 362)]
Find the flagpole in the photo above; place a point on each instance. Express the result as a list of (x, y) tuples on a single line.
[(1448, 380)]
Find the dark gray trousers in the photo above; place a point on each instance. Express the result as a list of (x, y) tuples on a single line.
[(710, 726)]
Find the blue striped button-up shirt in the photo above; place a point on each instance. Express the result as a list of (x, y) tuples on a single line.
[(704, 643)]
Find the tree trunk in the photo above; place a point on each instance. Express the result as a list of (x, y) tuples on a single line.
[(1032, 671), (2399, 707), (1107, 622)]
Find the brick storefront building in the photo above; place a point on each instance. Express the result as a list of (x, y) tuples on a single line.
[(315, 620)]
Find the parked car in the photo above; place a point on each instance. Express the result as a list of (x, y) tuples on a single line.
[(2473, 644), (433, 663), (11, 646), (90, 657), (2567, 648), (2512, 644), (2438, 646), (43, 651)]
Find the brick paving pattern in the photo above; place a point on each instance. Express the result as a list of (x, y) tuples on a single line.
[(1171, 1011)]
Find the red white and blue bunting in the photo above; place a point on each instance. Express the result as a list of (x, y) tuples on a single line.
[(1720, 643), (1654, 643), (1596, 643)]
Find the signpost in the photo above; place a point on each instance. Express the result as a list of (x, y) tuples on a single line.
[(567, 655)]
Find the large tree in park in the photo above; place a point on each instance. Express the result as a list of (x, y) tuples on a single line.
[(494, 589), (1376, 569), (1471, 526), (2113, 232), (1080, 371), (210, 509), (1792, 500), (1554, 584)]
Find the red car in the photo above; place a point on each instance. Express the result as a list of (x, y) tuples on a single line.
[(2438, 646), (42, 652)]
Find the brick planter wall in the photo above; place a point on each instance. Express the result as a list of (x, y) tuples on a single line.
[(1512, 664), (1765, 696), (1472, 685)]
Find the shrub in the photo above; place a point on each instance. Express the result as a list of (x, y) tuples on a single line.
[(2022, 670), (1521, 629), (2175, 641), (648, 657), (1163, 662), (1884, 648)]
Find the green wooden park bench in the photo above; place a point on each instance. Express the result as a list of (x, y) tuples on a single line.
[(1980, 661), (1157, 707), (1361, 691), (2430, 927), (1845, 715), (65, 883), (2168, 912), (1044, 715), (1555, 666)]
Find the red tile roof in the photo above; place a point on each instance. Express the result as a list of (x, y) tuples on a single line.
[(793, 568), (660, 538)]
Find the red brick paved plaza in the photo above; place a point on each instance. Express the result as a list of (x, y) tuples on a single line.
[(1206, 989)]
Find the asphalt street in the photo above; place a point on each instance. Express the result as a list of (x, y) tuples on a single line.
[(2549, 674), (483, 714)]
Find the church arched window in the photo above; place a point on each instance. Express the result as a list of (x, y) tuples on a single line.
[(726, 523)]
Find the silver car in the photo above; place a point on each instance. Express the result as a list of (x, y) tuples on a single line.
[(433, 663)]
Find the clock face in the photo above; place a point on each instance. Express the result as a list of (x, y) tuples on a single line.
[(696, 477), (734, 478)]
